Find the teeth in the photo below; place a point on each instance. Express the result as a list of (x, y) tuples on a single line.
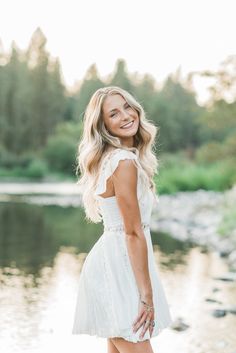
[(127, 125)]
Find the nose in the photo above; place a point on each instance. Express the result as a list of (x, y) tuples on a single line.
[(125, 114)]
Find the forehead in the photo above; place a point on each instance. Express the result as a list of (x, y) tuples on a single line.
[(113, 102)]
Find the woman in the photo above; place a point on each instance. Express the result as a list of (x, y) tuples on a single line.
[(120, 295)]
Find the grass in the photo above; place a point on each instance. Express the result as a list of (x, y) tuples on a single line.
[(180, 174)]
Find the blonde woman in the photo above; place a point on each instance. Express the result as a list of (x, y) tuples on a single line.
[(120, 296)]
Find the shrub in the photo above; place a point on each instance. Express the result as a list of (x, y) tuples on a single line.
[(210, 152), (60, 153), (7, 159), (37, 169), (190, 177)]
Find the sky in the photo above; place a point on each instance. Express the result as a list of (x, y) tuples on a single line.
[(152, 36)]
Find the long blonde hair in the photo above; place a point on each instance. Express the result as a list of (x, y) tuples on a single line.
[(96, 139)]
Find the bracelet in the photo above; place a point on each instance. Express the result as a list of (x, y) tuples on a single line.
[(149, 307)]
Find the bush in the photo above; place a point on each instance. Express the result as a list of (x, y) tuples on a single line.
[(11, 160), (7, 159), (37, 169), (210, 152), (190, 177), (214, 151), (60, 153), (230, 145)]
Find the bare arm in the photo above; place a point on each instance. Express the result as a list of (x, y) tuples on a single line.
[(125, 185)]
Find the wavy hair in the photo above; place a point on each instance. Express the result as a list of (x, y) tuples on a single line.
[(96, 139)]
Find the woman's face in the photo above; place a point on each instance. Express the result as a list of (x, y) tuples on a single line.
[(120, 119)]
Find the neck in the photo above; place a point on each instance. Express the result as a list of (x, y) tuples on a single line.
[(128, 142)]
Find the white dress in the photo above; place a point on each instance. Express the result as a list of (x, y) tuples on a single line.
[(108, 297)]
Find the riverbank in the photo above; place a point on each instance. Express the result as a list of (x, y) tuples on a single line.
[(202, 217)]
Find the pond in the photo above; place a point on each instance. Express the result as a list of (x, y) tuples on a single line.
[(42, 248)]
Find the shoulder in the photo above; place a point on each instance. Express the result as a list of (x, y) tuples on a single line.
[(110, 163), (120, 154), (114, 159), (115, 155)]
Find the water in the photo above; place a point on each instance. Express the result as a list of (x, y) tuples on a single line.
[(42, 249)]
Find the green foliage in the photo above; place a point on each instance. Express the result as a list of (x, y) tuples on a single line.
[(11, 160), (89, 85), (176, 112), (69, 129), (184, 175), (60, 153), (32, 97), (218, 122), (213, 151), (41, 123), (37, 169), (210, 152), (121, 78)]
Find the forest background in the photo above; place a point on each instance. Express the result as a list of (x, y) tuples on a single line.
[(41, 120)]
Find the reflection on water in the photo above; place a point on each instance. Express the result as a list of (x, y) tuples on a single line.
[(41, 253)]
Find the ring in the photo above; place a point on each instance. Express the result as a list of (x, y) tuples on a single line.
[(152, 324)]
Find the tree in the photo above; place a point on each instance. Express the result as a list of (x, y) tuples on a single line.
[(176, 112), (120, 77), (90, 84), (47, 103)]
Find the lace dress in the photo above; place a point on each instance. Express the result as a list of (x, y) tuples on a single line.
[(108, 297)]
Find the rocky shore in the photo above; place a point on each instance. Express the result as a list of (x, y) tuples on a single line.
[(197, 217)]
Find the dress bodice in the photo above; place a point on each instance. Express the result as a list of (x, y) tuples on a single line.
[(108, 206)]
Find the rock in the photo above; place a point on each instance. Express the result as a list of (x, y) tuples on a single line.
[(219, 313), (228, 277), (179, 325), (232, 310), (210, 300), (196, 217), (215, 289), (232, 259), (223, 311), (221, 344), (224, 246), (204, 250)]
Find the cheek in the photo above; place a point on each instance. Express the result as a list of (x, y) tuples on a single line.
[(112, 125)]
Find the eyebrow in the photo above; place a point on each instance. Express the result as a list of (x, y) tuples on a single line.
[(116, 108)]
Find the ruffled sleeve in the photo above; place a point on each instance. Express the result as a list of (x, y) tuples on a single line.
[(109, 166)]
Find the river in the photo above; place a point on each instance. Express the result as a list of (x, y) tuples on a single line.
[(42, 248)]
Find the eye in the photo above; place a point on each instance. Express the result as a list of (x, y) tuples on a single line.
[(113, 114)]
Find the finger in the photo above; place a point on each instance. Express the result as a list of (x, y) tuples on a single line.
[(151, 326), (139, 317), (151, 330), (145, 327), (139, 323), (149, 319)]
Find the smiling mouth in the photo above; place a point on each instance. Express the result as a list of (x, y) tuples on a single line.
[(128, 125)]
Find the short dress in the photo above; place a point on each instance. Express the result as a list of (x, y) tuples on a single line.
[(108, 298)]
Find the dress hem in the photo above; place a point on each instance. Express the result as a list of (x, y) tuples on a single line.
[(134, 339)]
